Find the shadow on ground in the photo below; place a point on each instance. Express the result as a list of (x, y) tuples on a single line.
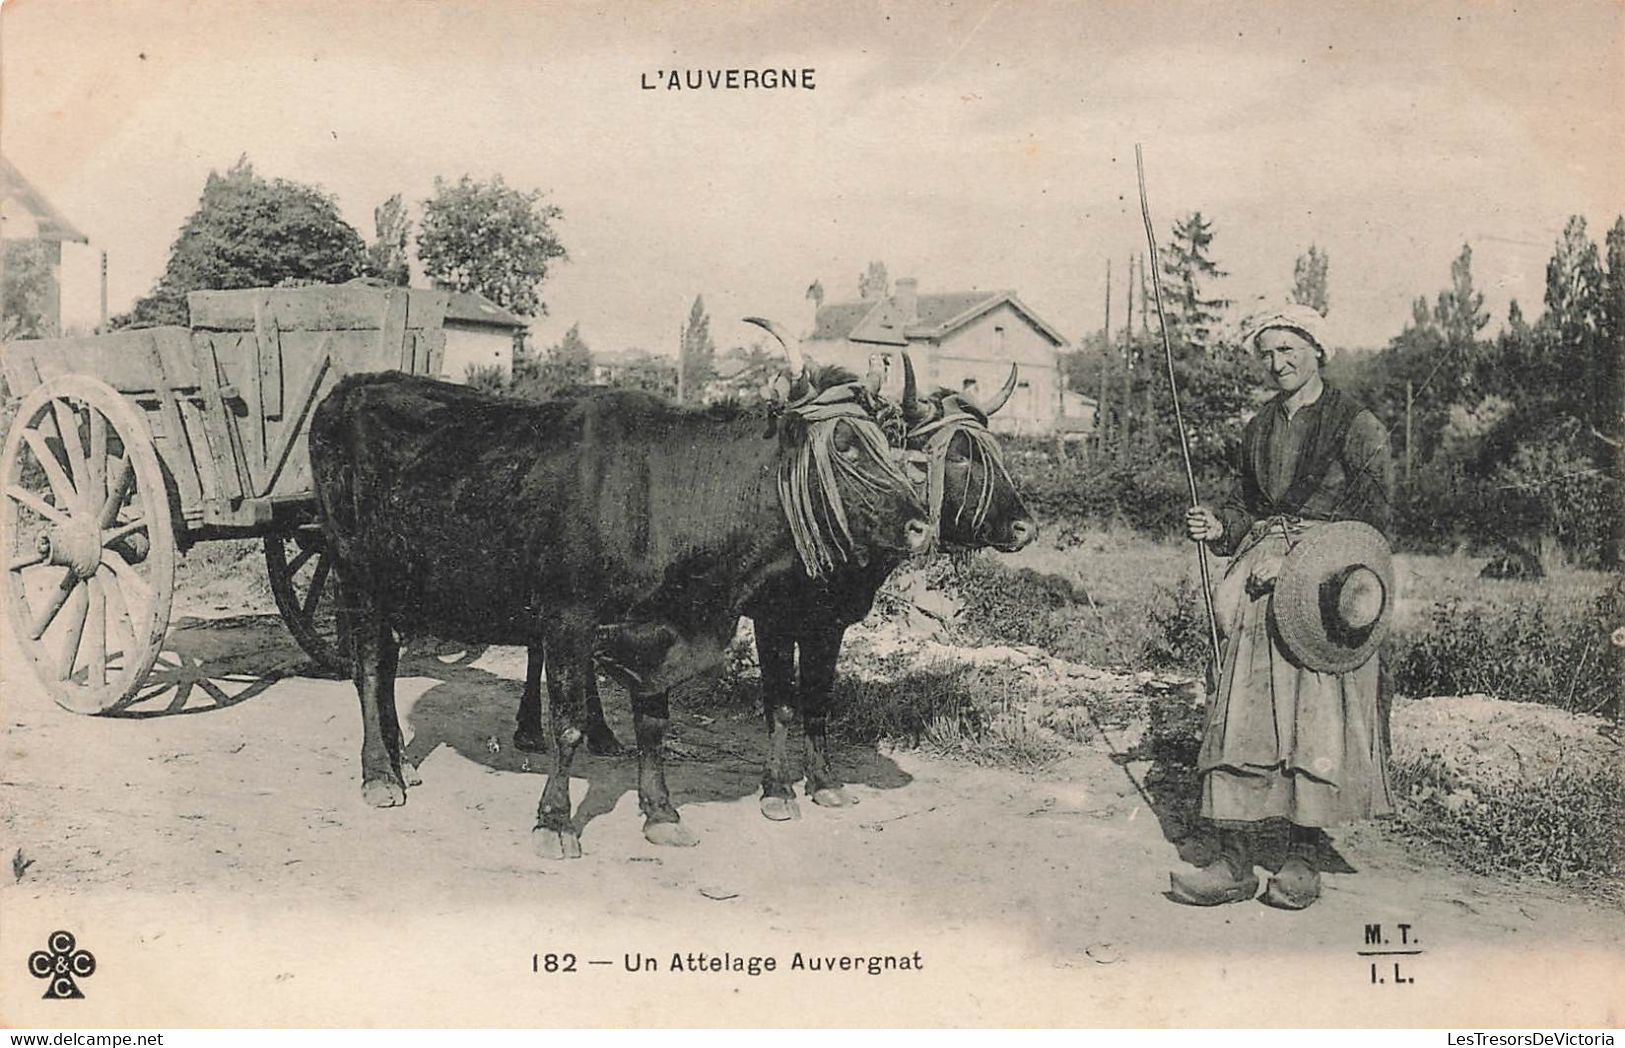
[(1172, 789), (714, 751), (716, 746)]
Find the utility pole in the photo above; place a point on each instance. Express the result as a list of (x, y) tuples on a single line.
[(682, 336), (1105, 353), (1410, 394), (1125, 428), (103, 326)]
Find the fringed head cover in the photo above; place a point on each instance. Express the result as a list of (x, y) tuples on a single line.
[(810, 476)]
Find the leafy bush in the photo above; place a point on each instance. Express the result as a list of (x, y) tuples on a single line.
[(1528, 650)]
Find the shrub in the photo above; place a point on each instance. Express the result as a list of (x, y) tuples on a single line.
[(1527, 650)]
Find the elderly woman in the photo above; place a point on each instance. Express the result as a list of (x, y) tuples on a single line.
[(1283, 741)]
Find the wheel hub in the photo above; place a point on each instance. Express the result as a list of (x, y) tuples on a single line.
[(76, 545)]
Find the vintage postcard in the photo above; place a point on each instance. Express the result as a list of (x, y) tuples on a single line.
[(920, 514)]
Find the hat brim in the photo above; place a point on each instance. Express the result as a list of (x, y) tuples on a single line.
[(1299, 606)]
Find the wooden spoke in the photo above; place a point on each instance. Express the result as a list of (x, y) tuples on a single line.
[(77, 617), (124, 528), (96, 653), (213, 691), (118, 490), (47, 615), (138, 596), (90, 640), (27, 560), (61, 486), (67, 424), (117, 609), (299, 561), (318, 581), (97, 480), (21, 494)]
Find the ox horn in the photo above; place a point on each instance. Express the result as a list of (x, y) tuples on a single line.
[(792, 347), (1003, 396), (913, 413)]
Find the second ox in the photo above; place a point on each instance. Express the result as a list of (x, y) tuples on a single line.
[(618, 528), (973, 502)]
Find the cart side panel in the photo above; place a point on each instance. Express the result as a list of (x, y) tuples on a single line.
[(319, 307)]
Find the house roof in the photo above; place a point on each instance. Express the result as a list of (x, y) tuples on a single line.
[(471, 307), (881, 321), (50, 224)]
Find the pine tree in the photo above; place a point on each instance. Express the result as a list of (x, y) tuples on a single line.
[(1188, 268), (696, 360), (386, 255), (1309, 280)]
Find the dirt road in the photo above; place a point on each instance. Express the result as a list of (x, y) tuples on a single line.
[(212, 849)]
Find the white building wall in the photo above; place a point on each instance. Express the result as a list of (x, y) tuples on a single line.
[(470, 347)]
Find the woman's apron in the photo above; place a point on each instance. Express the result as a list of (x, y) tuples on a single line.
[(1282, 741)]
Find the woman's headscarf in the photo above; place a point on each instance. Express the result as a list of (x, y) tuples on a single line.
[(1302, 319)]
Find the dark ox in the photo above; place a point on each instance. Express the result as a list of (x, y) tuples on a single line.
[(616, 527), (975, 504)]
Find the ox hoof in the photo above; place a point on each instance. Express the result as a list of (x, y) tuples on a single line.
[(409, 774), (669, 835), (601, 742), (781, 809), (381, 793), (530, 741), (834, 797), (556, 844)]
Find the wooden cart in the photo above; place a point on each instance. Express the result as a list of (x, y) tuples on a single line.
[(129, 447)]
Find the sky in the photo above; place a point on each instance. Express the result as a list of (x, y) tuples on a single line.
[(969, 145)]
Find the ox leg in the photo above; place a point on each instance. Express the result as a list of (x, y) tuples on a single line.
[(650, 715), (820, 648), (375, 654), (601, 741), (530, 735), (776, 651), (569, 661)]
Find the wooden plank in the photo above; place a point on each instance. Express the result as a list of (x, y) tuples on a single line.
[(174, 445), (323, 307), (130, 361), (392, 340), (268, 337), (218, 423), (248, 351), (296, 424), (433, 352)]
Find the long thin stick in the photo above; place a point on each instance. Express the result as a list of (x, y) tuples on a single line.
[(1179, 418)]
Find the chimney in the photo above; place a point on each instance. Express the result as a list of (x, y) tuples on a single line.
[(907, 299)]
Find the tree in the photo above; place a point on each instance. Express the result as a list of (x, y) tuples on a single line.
[(1188, 268), (565, 363), (696, 358), (1576, 318), (25, 288), (1460, 313), (1309, 280), (874, 283), (250, 232), (386, 255), (486, 237)]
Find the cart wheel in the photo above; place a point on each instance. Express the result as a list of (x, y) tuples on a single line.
[(305, 590), (88, 541)]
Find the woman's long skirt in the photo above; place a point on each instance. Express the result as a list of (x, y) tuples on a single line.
[(1283, 741)]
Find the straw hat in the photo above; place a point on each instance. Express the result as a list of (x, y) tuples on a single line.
[(1334, 596)]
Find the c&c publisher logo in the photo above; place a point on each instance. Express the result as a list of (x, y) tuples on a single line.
[(61, 964)]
